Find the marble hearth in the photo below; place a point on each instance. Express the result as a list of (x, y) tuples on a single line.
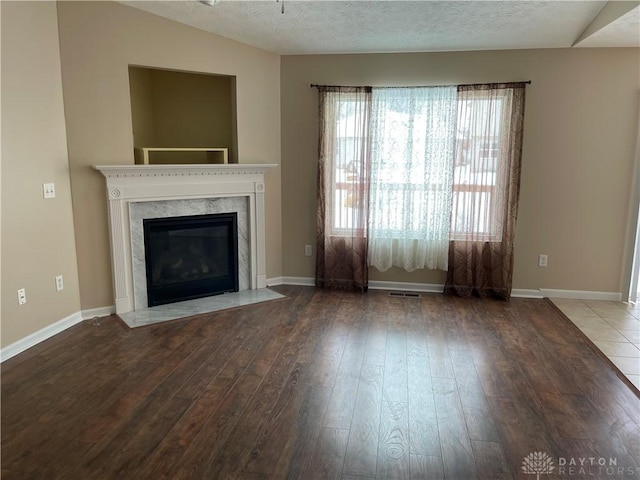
[(136, 192)]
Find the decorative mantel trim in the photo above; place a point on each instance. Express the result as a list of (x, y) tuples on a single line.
[(123, 171), (149, 183)]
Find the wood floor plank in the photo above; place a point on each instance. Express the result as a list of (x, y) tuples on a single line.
[(321, 384), (393, 444), (352, 309), (309, 425), (426, 467), (457, 455), (277, 431), (439, 360), (560, 411), (362, 448), (326, 362), (423, 424), (111, 409), (395, 387), (580, 418), (183, 377), (266, 395), (490, 461), (602, 386), (340, 409), (524, 430), (199, 451), (195, 418), (48, 382), (129, 449), (328, 458), (233, 455), (376, 345), (477, 413), (275, 340)]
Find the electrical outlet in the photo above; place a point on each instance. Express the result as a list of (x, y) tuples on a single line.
[(308, 250), (22, 296), (59, 283), (542, 260), (49, 190)]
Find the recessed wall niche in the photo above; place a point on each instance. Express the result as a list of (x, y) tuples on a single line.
[(183, 117)]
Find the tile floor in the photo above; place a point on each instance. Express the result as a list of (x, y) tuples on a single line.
[(614, 327)]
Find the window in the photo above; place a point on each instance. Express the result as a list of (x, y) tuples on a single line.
[(476, 171), (347, 166), (412, 152), (417, 178), (419, 167), (479, 175)]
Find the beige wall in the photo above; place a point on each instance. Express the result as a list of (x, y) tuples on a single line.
[(191, 110), (98, 41), (141, 107), (580, 124), (37, 234)]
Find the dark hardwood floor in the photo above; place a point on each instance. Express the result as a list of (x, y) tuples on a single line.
[(321, 385)]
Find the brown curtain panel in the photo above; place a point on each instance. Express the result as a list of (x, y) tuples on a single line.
[(343, 190), (485, 190)]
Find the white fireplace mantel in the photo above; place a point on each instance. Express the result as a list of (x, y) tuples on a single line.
[(127, 184)]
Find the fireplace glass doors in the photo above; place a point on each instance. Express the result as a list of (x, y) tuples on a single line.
[(190, 257)]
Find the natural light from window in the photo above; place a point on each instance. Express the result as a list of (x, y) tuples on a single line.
[(477, 172)]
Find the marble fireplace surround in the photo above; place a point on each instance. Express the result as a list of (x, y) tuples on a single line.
[(151, 191)]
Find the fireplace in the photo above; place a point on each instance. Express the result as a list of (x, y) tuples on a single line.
[(139, 192), (190, 257)]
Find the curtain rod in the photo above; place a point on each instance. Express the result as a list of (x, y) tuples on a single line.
[(527, 82), (315, 85)]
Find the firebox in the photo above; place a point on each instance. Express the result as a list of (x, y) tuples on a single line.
[(190, 257)]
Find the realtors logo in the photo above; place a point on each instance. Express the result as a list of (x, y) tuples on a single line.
[(537, 463)]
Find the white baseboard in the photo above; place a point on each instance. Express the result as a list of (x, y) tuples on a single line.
[(526, 293), (98, 312), (275, 281), (47, 332), (50, 330), (581, 294), (373, 284), (397, 286), (439, 288), (302, 281)]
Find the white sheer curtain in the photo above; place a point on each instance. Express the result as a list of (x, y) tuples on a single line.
[(413, 134)]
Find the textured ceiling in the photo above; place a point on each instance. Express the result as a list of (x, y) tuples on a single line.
[(315, 27)]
